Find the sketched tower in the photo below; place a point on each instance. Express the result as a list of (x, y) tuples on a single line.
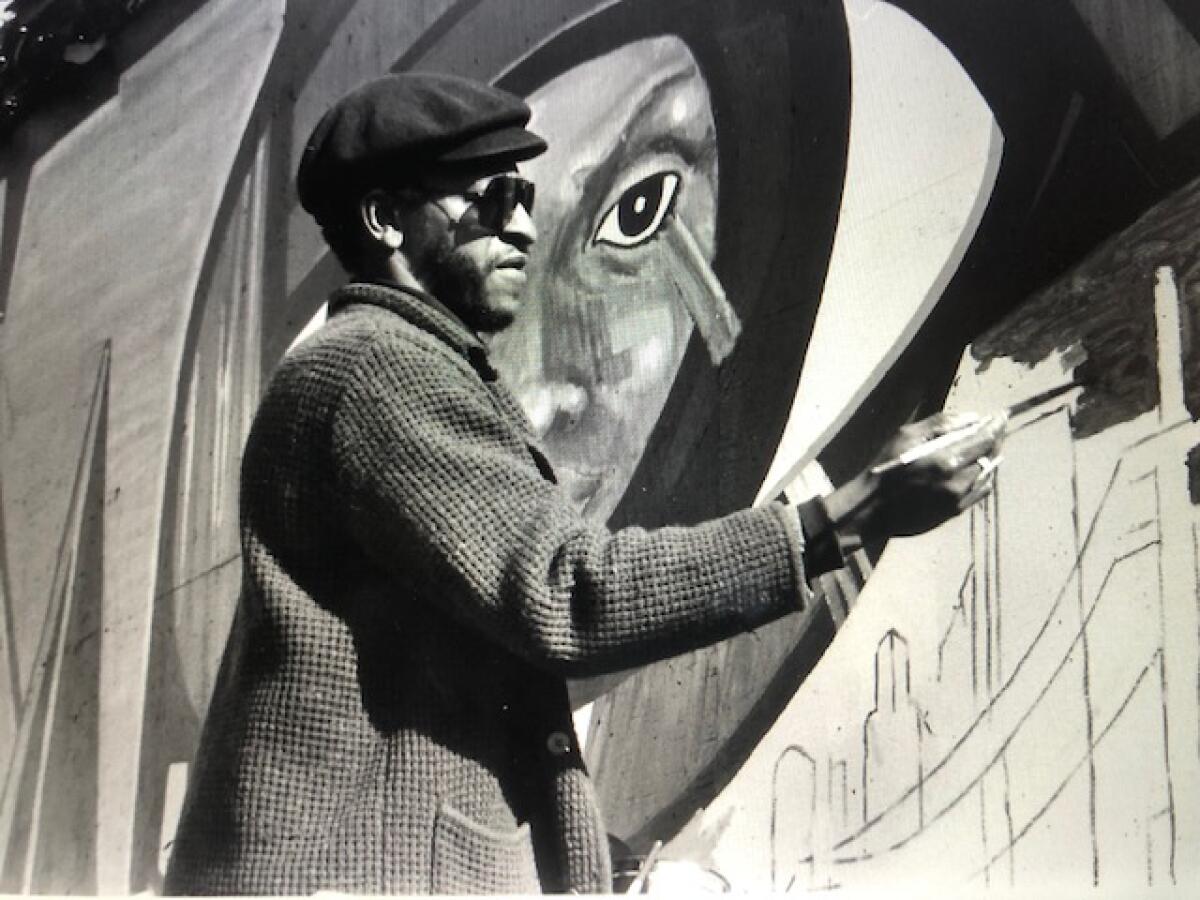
[(892, 736)]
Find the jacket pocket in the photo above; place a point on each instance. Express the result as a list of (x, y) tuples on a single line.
[(469, 858)]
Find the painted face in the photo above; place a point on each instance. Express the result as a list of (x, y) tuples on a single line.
[(626, 206)]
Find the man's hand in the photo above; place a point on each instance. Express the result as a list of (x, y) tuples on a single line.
[(893, 500)]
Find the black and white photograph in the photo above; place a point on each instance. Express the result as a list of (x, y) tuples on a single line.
[(506, 447)]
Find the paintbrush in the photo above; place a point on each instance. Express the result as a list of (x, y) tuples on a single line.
[(639, 882), (1038, 399), (942, 441)]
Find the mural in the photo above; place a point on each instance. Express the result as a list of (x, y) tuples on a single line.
[(1028, 718), (623, 279), (768, 236)]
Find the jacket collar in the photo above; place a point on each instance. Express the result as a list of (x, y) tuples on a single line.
[(421, 309)]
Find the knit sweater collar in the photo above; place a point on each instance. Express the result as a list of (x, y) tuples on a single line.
[(420, 308)]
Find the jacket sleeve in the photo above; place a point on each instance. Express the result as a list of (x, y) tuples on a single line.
[(441, 490)]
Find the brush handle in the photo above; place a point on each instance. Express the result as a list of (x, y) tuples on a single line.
[(941, 442), (928, 448)]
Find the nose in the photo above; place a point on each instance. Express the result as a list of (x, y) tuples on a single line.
[(519, 229)]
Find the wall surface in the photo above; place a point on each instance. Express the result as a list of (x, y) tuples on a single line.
[(117, 221), (769, 234), (1015, 693)]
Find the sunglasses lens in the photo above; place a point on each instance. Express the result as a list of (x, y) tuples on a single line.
[(502, 195), (527, 195)]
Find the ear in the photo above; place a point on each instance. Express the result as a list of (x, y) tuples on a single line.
[(379, 218)]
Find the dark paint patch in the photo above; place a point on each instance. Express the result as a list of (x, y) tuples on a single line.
[(1079, 164), (1104, 307), (1193, 467)]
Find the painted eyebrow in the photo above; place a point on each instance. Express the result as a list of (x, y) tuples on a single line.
[(597, 181), (654, 96), (649, 103)]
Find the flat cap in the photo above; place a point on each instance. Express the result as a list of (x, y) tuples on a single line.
[(405, 125)]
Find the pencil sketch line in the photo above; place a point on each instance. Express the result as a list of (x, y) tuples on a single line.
[(958, 614), (1164, 430), (790, 750), (1037, 638), (974, 617), (983, 834), (1170, 810), (999, 586), (1089, 751), (1162, 624), (1088, 708), (1150, 853), (1008, 819), (1041, 417), (976, 724), (1165, 813)]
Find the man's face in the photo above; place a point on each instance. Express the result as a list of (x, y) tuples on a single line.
[(469, 244)]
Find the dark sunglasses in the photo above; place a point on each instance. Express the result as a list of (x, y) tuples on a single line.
[(494, 204)]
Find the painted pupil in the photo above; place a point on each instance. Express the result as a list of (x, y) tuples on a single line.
[(639, 204)]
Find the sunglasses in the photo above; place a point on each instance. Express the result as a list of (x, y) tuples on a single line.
[(495, 202)]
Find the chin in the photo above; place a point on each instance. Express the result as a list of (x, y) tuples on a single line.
[(490, 319), (497, 312)]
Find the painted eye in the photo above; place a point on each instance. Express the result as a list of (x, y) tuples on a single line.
[(639, 211)]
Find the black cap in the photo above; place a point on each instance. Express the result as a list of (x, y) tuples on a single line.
[(400, 127)]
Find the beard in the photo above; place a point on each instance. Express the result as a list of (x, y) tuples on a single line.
[(457, 283)]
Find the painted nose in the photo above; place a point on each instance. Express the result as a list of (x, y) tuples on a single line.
[(519, 229)]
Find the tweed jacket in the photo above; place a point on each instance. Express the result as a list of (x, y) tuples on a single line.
[(390, 714)]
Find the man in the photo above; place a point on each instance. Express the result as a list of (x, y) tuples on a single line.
[(391, 712)]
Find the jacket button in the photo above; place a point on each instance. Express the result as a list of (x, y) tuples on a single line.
[(558, 743)]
